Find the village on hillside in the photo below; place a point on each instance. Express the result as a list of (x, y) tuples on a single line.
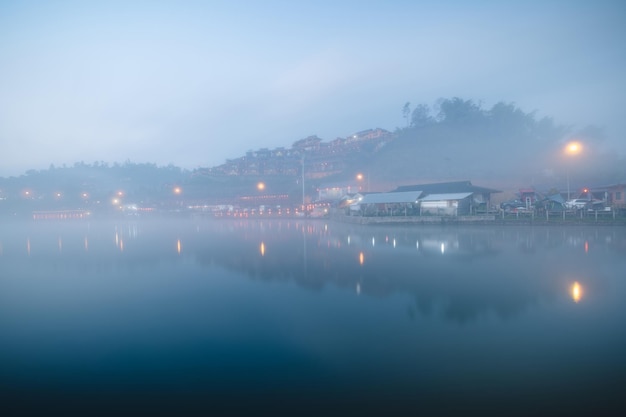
[(313, 178)]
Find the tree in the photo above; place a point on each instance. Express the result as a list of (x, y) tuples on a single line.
[(406, 112), (421, 116), (459, 111)]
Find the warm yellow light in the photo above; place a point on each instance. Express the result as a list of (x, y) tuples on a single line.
[(262, 249), (359, 177), (573, 148), (178, 246), (177, 190), (361, 258), (260, 186), (577, 292)]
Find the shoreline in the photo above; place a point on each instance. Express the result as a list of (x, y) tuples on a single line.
[(482, 220)]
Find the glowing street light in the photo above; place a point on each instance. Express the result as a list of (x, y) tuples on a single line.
[(360, 177), (572, 149), (260, 186), (177, 190)]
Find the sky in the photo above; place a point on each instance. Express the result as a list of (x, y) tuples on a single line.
[(193, 83)]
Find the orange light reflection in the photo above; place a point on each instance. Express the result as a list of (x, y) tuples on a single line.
[(576, 291)]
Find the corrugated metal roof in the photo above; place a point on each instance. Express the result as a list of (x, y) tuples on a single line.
[(447, 187), (556, 198), (446, 197), (397, 197)]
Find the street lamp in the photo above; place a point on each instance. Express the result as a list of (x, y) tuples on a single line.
[(571, 149), (360, 177)]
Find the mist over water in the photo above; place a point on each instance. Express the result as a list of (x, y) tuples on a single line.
[(310, 317)]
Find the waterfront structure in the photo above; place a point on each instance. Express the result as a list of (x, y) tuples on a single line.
[(479, 198), (388, 204), (449, 204)]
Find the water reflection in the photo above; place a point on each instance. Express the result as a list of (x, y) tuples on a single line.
[(382, 311), (576, 291), (459, 273)]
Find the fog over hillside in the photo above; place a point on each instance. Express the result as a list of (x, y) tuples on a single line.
[(501, 145), (455, 139), (195, 83)]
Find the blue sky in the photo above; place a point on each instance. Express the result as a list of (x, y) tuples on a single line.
[(196, 82)]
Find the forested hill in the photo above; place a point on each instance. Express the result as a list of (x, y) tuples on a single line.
[(502, 145)]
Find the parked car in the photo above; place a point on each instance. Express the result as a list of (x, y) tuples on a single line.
[(512, 205), (599, 205), (577, 203)]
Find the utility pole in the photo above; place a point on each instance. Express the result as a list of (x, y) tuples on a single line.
[(303, 209)]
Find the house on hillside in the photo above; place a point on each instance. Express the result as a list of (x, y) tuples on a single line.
[(310, 143)]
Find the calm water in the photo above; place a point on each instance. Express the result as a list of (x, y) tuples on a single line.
[(297, 317)]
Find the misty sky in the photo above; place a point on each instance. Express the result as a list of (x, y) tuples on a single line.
[(196, 82)]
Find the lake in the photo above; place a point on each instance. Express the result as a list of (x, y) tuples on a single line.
[(310, 317)]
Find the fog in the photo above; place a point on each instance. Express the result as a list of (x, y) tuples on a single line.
[(194, 84)]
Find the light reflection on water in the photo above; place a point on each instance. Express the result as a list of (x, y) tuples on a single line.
[(577, 291), (477, 315)]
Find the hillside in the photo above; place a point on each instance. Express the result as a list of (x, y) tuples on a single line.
[(501, 146)]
